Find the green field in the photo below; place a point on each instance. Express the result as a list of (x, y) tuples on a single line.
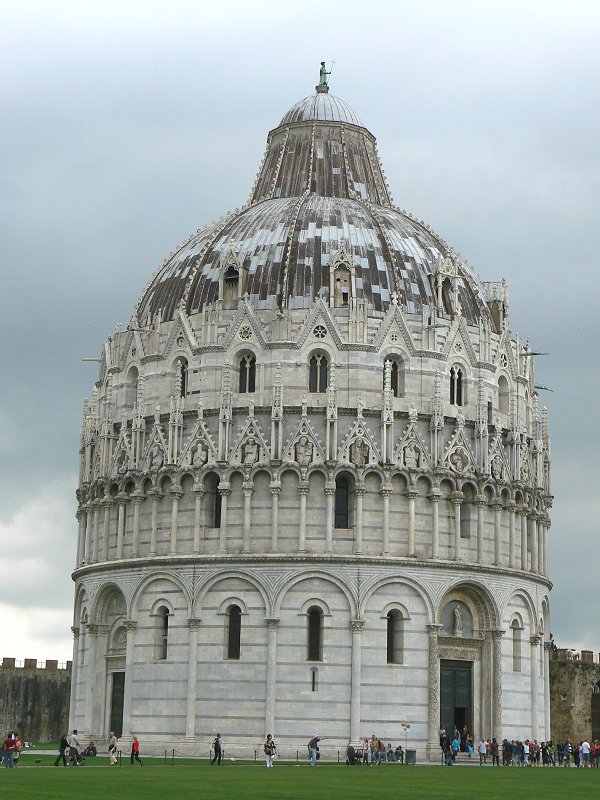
[(242, 781)]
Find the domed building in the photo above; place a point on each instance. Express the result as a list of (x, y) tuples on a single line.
[(314, 483)]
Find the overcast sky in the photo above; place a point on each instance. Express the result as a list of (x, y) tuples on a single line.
[(128, 125)]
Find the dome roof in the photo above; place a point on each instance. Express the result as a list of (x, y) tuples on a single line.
[(324, 107), (320, 191)]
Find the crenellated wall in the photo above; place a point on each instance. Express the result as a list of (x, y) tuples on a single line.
[(34, 701)]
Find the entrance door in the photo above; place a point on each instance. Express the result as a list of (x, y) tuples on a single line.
[(456, 695), (116, 703)]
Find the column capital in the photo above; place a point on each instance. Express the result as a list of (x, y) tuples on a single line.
[(496, 633), (303, 487), (272, 623), (97, 630), (329, 489), (176, 493), (412, 492), (75, 631), (359, 489), (193, 623), (535, 640), (457, 498), (356, 625), (130, 624), (435, 496), (385, 491), (497, 505)]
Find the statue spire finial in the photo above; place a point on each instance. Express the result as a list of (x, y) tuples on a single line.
[(323, 73)]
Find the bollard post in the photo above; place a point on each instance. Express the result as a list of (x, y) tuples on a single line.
[(173, 758), (165, 756), (120, 757), (338, 756), (255, 755), (296, 756)]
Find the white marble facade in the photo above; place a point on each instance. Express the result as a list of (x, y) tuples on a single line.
[(292, 511)]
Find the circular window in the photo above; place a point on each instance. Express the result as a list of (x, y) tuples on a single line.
[(394, 337), (320, 332), (458, 347), (245, 332), (180, 341)]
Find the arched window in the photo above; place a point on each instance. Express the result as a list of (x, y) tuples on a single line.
[(503, 395), (231, 284), (395, 637), (516, 629), (314, 679), (447, 296), (131, 387), (318, 373), (396, 376), (234, 630), (162, 633), (182, 376), (315, 634), (342, 502), (341, 287), (456, 386), (247, 373)]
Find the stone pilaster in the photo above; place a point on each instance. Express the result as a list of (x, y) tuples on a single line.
[(190, 706), (271, 674), (433, 712), (130, 625), (356, 626)]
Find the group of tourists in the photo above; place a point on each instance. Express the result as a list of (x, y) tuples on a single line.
[(70, 750)]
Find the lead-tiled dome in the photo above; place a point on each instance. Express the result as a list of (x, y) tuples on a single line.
[(324, 107)]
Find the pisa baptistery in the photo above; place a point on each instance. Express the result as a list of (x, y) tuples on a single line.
[(314, 480)]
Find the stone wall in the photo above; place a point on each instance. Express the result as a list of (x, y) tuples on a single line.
[(572, 680), (34, 701)]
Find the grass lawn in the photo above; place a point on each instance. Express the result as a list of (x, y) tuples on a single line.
[(242, 781)]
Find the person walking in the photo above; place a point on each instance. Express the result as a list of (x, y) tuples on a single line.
[(270, 750), (218, 749), (74, 746), (135, 752), (112, 749), (482, 750), (62, 746)]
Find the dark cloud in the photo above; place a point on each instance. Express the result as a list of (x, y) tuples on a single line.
[(129, 125)]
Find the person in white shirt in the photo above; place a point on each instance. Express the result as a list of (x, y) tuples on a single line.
[(584, 749), (482, 750), (74, 746)]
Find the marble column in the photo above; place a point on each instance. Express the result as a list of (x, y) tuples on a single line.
[(82, 519), (224, 491), (511, 534), (534, 542), (303, 494), (540, 532), (359, 493), (198, 509), (175, 497), (523, 513), (457, 502), (433, 713), (385, 493), (120, 525), (497, 519), (435, 523), (271, 675), (192, 677), (74, 673), (411, 494), (546, 534), (135, 533), (96, 534), (535, 668), (154, 528), (330, 496), (275, 494), (497, 684), (107, 503), (130, 626), (356, 626), (248, 489), (480, 504)]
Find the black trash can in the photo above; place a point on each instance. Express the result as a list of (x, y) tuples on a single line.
[(410, 757)]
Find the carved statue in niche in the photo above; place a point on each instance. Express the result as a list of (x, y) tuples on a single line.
[(359, 452), (122, 463), (459, 460), (457, 628), (156, 456), (412, 456), (200, 456), (525, 471), (250, 451), (304, 451), (497, 468)]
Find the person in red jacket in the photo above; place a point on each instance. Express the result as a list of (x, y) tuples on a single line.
[(135, 751)]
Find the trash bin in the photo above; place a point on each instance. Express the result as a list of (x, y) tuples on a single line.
[(410, 757)]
